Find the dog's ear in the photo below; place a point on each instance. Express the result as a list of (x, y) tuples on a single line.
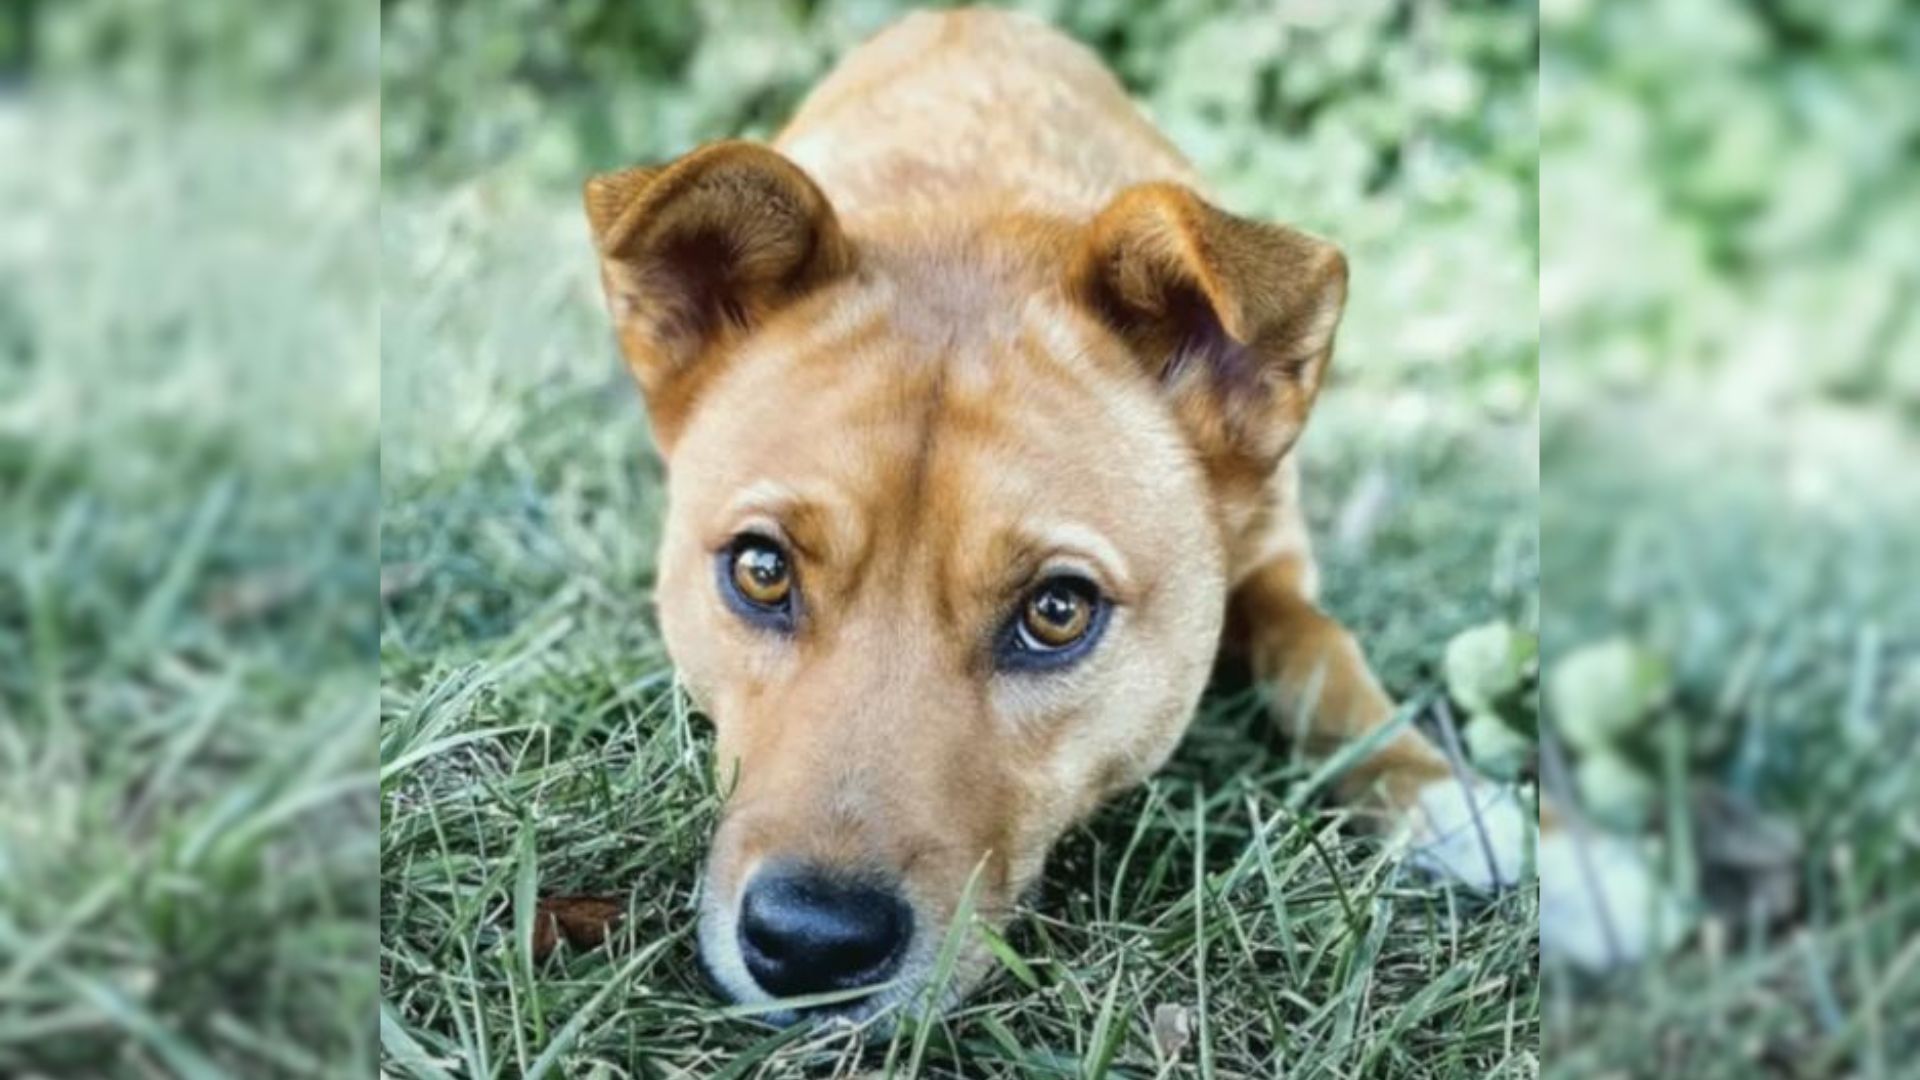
[(1234, 318), (695, 252)]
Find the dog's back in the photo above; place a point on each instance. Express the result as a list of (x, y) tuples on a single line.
[(974, 113)]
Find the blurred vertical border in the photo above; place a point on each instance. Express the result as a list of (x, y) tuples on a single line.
[(1730, 521), (189, 466)]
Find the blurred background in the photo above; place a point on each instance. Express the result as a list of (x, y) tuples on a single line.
[(188, 498), (1730, 519), (531, 739)]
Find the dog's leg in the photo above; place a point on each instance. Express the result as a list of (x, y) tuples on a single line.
[(1327, 698), (1601, 904)]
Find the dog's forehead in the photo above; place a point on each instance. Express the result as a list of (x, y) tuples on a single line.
[(954, 435)]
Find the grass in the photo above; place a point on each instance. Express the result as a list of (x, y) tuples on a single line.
[(1771, 564), (532, 742), (187, 854), (1729, 364)]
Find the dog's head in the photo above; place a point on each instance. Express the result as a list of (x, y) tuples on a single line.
[(950, 517)]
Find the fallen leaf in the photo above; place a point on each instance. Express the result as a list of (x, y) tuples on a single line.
[(1749, 859), (1172, 1030), (581, 921)]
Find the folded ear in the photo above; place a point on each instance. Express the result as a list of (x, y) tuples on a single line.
[(1234, 318), (698, 251)]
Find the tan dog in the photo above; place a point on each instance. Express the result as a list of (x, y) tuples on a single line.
[(978, 419)]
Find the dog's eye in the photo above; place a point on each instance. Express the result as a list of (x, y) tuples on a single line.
[(1056, 615), (1055, 624), (760, 572)]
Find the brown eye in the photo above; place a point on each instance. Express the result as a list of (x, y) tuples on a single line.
[(761, 573), (1057, 615)]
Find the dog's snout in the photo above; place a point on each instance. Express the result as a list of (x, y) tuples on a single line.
[(807, 931)]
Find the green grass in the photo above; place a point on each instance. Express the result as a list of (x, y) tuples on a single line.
[(1730, 359), (187, 480), (532, 742), (1771, 564)]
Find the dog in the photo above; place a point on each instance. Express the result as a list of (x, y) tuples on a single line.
[(978, 419)]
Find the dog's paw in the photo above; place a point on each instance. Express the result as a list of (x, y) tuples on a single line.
[(1602, 905), (1471, 832)]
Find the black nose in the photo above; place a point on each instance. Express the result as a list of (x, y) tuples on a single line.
[(805, 931)]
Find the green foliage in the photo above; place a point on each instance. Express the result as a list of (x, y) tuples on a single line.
[(1486, 664), (1733, 184), (1614, 791), (1404, 131), (1491, 674), (1601, 692), (206, 51), (1496, 748)]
